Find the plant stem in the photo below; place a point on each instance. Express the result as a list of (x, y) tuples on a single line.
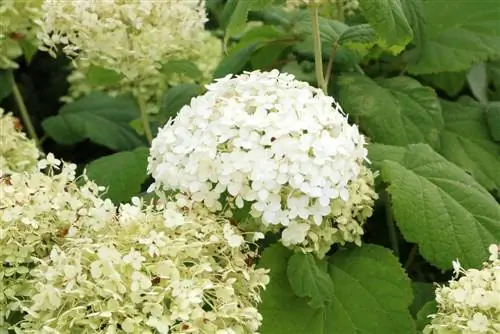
[(411, 256), (18, 97), (318, 56), (393, 237), (145, 119), (329, 67)]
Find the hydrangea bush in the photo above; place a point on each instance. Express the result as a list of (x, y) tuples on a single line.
[(213, 189), (277, 143)]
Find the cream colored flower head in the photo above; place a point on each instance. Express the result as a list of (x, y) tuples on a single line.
[(17, 152), (131, 37), (154, 269), (17, 27), (275, 143), (38, 210), (471, 302)]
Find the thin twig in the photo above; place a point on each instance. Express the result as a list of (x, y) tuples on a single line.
[(393, 237), (329, 67), (18, 97), (145, 119), (318, 56), (411, 256)]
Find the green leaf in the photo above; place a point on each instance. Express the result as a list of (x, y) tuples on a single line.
[(422, 293), (360, 37), (308, 278), (299, 72), (5, 84), (493, 116), (239, 17), (100, 76), (450, 82), (377, 153), (175, 98), (101, 118), (29, 49), (234, 62), (422, 315), (442, 208), (122, 173), (478, 82), (396, 111), (388, 19), (267, 56), (493, 68), (469, 33), (414, 12), (182, 66), (466, 142), (371, 295)]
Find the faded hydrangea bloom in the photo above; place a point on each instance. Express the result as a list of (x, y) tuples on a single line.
[(469, 304), (278, 144), (131, 37), (37, 210), (17, 152), (17, 29), (153, 269)]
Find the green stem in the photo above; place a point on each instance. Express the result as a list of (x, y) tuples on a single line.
[(340, 10), (18, 97), (318, 56), (329, 67), (411, 256), (145, 119), (393, 237)]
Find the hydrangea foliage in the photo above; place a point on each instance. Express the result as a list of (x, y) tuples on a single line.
[(17, 152), (471, 303), (270, 140)]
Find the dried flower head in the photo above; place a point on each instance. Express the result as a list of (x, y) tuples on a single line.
[(274, 142), (471, 303), (17, 152), (154, 269)]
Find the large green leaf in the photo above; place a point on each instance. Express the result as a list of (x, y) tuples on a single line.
[(466, 141), (371, 295), (175, 98), (396, 111), (440, 207), (493, 117), (101, 118), (234, 62), (459, 33), (450, 82), (122, 173), (414, 12), (477, 79), (422, 293), (308, 278), (388, 19), (100, 76)]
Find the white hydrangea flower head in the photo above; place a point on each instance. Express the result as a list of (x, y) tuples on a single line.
[(270, 140), (154, 269), (206, 57), (131, 37), (37, 210), (17, 23), (471, 303), (18, 153)]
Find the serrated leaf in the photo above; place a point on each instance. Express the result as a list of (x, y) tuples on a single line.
[(122, 173), (360, 37), (371, 295), (469, 33), (377, 153), (466, 142), (493, 116), (388, 19), (175, 98), (422, 293), (478, 82), (308, 278), (181, 66), (423, 315), (450, 82), (396, 111), (442, 208), (414, 12), (234, 62), (5, 84), (238, 18), (100, 76), (103, 119)]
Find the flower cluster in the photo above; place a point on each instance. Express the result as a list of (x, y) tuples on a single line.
[(17, 28), (267, 139), (206, 57), (17, 152), (131, 37), (36, 211), (470, 304), (153, 269)]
